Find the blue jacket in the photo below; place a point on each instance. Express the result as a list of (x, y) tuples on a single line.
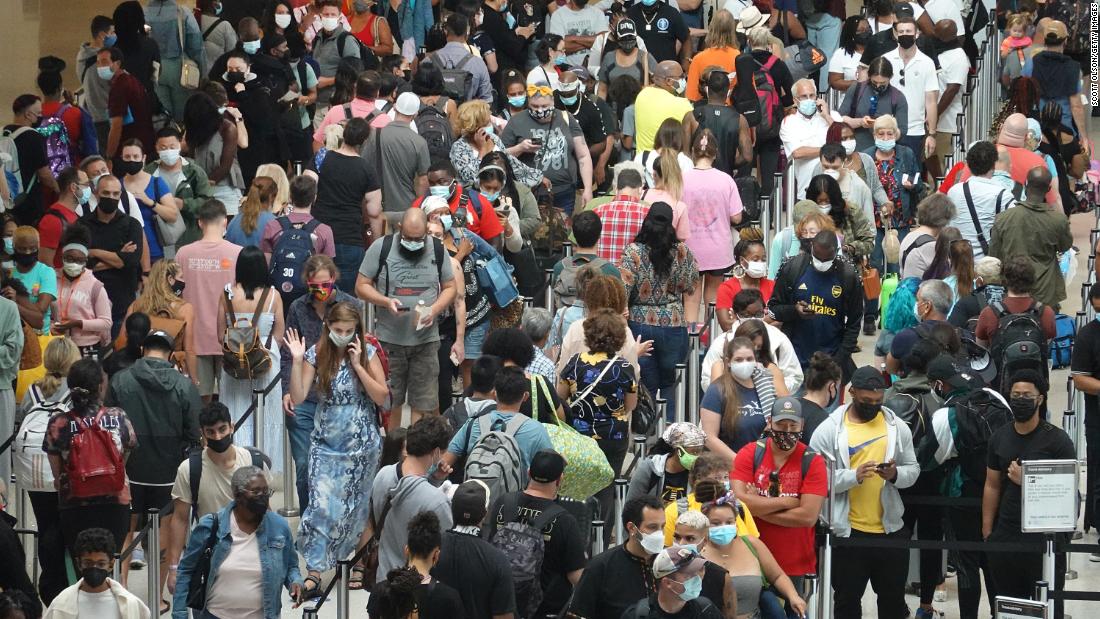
[(415, 17), (278, 559), (906, 164)]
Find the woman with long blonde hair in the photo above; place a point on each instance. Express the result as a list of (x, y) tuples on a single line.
[(247, 228), (345, 445), (162, 300), (276, 173)]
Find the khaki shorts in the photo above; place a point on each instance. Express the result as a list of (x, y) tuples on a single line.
[(209, 368), (414, 375), (945, 143)]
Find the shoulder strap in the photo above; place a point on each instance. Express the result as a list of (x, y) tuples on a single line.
[(387, 244), (974, 215), (758, 456), (999, 309), (807, 461), (546, 516), (194, 467), (770, 62), (855, 98), (347, 111), (997, 209), (461, 63), (284, 223), (387, 505), (311, 225), (437, 245), (207, 32), (229, 308), (922, 241), (584, 394)]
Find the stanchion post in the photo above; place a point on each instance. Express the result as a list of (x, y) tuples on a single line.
[(567, 248), (715, 328), (549, 293), (343, 607), (680, 392), (1048, 570), (597, 537), (370, 317), (766, 217), (258, 438), (290, 502), (152, 545), (825, 565), (691, 385), (641, 449), (789, 196), (662, 410), (620, 500)]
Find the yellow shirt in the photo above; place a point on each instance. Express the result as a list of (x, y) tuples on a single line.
[(866, 443), (745, 525), (651, 108)]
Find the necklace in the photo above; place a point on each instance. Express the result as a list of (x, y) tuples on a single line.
[(649, 20)]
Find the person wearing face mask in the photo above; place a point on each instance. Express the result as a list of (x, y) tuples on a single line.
[(820, 390), (855, 34), (96, 594), (750, 272), (128, 106), (161, 300), (151, 193), (163, 407), (664, 31), (867, 101), (835, 161), (88, 320), (165, 20), (661, 100), (368, 26), (664, 473), (76, 191), (186, 181), (1086, 378), (476, 139), (116, 251), (915, 74), (819, 300), (678, 571), (33, 165), (345, 369), (853, 228), (1028, 437), (245, 535), (95, 87), (38, 279), (577, 23), (571, 98), (898, 169), (803, 133), (875, 458), (629, 58), (741, 390), (257, 98), (218, 36)]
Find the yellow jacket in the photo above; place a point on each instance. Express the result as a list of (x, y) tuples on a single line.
[(745, 525)]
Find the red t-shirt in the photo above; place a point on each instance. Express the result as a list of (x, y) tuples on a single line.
[(128, 100), (987, 320), (49, 229), (793, 547), (487, 227), (71, 118), (729, 289)]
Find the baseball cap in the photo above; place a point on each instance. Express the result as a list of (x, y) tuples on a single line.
[(1056, 32), (470, 502), (408, 104), (683, 434), (903, 9), (581, 72), (787, 409), (677, 559), (661, 212), (546, 467), (626, 29), (867, 377), (162, 336), (944, 368)]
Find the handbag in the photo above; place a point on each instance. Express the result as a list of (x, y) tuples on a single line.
[(374, 544), (196, 591), (872, 285), (588, 471), (643, 421), (31, 356), (189, 69), (891, 246), (169, 233)]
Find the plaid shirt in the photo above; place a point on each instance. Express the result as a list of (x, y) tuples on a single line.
[(621, 219), (543, 366)]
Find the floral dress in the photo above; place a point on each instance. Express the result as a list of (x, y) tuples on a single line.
[(886, 170), (467, 162), (343, 459)]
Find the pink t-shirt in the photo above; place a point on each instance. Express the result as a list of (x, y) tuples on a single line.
[(207, 267), (359, 109), (679, 211), (711, 197), (322, 235)]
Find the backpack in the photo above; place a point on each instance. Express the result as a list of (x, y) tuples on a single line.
[(456, 80), (457, 415), (761, 447), (94, 467), (244, 357), (920, 242), (1018, 343), (915, 409), (387, 245), (978, 414), (9, 156), (294, 246), (565, 286), (194, 467), (433, 126), (58, 143), (525, 547), (767, 95), (1061, 347), (31, 464), (366, 55), (496, 459)]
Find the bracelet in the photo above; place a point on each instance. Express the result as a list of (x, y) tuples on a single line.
[(174, 567)]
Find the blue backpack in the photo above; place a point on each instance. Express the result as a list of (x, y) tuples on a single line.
[(1061, 347), (294, 246)]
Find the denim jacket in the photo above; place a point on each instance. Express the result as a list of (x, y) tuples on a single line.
[(278, 559)]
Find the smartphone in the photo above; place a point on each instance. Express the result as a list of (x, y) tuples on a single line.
[(403, 309), (536, 141), (882, 466)]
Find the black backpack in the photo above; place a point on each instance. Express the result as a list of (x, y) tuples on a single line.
[(978, 414), (456, 80), (433, 126), (1018, 343), (525, 547), (761, 447), (915, 408), (366, 54), (194, 466), (294, 246)]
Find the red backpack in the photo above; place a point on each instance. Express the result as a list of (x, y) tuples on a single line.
[(94, 467), (771, 111)]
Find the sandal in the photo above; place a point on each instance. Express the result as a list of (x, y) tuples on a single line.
[(309, 593), (165, 607), (355, 581)]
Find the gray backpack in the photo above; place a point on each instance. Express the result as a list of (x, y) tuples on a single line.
[(496, 458), (565, 286)]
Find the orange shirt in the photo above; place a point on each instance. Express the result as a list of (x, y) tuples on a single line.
[(715, 57)]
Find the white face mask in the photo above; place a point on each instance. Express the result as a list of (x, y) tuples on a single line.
[(742, 369), (824, 208), (849, 146), (820, 266), (283, 20), (72, 269), (756, 269), (653, 542), (341, 340), (833, 173), (329, 24)]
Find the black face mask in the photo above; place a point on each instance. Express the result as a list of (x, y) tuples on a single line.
[(864, 410), (107, 206), (258, 505), (127, 167), (221, 444), (234, 77), (878, 90), (94, 576), (805, 245), (906, 41), (862, 38), (25, 260), (177, 288), (628, 45), (1023, 409)]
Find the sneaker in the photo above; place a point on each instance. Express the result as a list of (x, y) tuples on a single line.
[(923, 613), (940, 595), (868, 326), (1094, 557), (137, 559)]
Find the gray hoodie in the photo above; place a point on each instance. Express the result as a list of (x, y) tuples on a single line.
[(95, 87), (648, 477), (831, 440), (408, 495)]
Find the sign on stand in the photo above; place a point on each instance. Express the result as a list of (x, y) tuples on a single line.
[(1015, 608), (1049, 496)]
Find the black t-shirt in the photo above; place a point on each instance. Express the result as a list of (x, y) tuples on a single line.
[(699, 608), (31, 146), (714, 583), (614, 581), (589, 118), (434, 600), (121, 283), (1046, 442), (547, 408), (479, 572), (1086, 361), (676, 485), (724, 122), (344, 180), (564, 551), (813, 416), (660, 29)]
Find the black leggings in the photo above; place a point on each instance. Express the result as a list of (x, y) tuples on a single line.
[(927, 521), (615, 451), (112, 516), (966, 526), (51, 545)]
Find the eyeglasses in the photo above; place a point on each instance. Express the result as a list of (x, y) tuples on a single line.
[(260, 494), (103, 565), (758, 316), (544, 91), (902, 74)]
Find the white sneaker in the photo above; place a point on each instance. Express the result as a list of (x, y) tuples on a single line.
[(137, 559), (940, 595), (1095, 557)]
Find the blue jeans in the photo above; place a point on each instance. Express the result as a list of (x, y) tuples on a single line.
[(566, 199), (670, 346), (348, 260), (299, 427), (823, 31)]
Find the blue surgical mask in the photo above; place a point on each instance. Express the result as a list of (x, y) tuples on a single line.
[(110, 40), (250, 47), (885, 145), (649, 2), (681, 86), (518, 101), (569, 100), (217, 8), (9, 247), (489, 129), (442, 191), (412, 245), (693, 547), (85, 195), (692, 588), (491, 197), (446, 221), (807, 107), (511, 21), (104, 73), (561, 61), (723, 535)]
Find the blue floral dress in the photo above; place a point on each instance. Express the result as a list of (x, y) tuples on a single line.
[(343, 459)]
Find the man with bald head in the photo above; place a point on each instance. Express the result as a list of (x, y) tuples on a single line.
[(1038, 231), (954, 68), (408, 277), (662, 99)]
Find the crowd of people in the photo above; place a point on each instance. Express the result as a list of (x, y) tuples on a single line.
[(459, 282)]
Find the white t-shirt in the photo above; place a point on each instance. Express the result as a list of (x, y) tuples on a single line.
[(539, 74), (844, 63), (798, 131), (920, 78), (238, 591), (954, 69), (945, 9), (102, 605), (586, 22), (734, 7), (215, 489)]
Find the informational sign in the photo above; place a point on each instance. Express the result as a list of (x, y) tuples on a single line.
[(1049, 496), (1015, 608)]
